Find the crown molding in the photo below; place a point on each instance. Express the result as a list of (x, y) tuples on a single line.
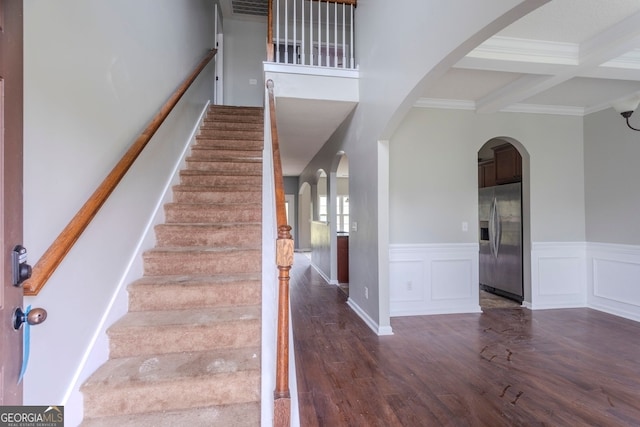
[(525, 50), (458, 104), (446, 104), (559, 110), (628, 60)]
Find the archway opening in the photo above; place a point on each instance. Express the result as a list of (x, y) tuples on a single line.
[(503, 233)]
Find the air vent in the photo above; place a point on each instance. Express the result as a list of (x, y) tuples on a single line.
[(251, 7)]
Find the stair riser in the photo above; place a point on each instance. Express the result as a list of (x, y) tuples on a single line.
[(177, 297), (211, 143), (136, 398), (202, 153), (216, 197), (227, 125), (148, 341), (163, 263), (230, 118), (225, 166), (222, 180), (185, 235), (175, 213), (233, 134)]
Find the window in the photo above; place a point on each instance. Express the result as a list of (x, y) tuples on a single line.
[(322, 209), (342, 208)]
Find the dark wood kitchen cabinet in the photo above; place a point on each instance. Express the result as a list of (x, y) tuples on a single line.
[(343, 259), (486, 174), (508, 164)]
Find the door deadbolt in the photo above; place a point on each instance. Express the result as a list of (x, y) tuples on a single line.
[(20, 270)]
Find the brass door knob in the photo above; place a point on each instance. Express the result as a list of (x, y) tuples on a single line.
[(35, 317)]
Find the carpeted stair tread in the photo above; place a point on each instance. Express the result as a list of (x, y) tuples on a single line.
[(203, 194), (201, 261), (230, 176), (218, 179), (249, 166), (216, 157), (232, 125), (239, 235), (164, 382), (237, 415), (188, 292), (198, 212), (173, 331), (220, 143), (205, 152), (249, 135)]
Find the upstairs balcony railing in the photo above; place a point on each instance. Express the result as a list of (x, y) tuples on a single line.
[(311, 32)]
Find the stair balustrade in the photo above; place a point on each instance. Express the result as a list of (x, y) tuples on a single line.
[(53, 256), (284, 261), (313, 33)]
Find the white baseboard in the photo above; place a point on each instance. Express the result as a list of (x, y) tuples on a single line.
[(379, 330)]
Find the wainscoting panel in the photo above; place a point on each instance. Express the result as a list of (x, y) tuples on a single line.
[(612, 278), (558, 275), (433, 279)]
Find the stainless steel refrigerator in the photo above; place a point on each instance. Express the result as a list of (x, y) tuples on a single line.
[(500, 214)]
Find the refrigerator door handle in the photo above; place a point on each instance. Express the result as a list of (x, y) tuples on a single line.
[(492, 228), (498, 236)]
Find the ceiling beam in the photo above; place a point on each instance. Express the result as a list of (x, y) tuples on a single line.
[(606, 46)]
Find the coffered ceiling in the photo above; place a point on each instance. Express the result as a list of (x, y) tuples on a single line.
[(567, 57)]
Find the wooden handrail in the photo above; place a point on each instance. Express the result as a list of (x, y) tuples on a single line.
[(53, 256), (284, 261)]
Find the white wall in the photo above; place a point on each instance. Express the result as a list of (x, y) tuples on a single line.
[(95, 74), (434, 190), (244, 52), (434, 175), (395, 67), (612, 151), (612, 204)]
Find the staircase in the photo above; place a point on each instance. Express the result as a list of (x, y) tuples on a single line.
[(188, 351)]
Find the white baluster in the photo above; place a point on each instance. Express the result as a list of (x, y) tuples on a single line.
[(344, 35), (352, 62), (295, 38), (335, 34), (327, 28), (319, 35), (302, 58), (286, 31), (310, 33), (277, 31)]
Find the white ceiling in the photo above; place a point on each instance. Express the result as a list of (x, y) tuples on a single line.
[(567, 57)]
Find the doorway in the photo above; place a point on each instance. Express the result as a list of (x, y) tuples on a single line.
[(305, 216), (340, 175), (503, 219)]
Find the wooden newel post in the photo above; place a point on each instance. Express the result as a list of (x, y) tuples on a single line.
[(284, 261)]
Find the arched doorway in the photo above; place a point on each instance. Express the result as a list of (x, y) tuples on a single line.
[(305, 212), (503, 214), (339, 183)]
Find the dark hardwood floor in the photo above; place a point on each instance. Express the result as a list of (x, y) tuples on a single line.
[(504, 367)]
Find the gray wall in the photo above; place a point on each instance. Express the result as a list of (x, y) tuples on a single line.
[(244, 52), (395, 69), (434, 177), (611, 152), (95, 74)]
